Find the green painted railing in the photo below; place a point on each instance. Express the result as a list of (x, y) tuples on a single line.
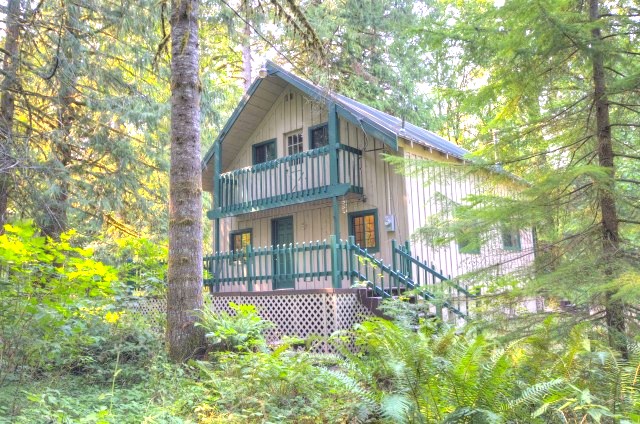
[(333, 262), (291, 179)]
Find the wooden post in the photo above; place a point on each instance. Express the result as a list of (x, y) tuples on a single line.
[(334, 178), (394, 263), (216, 191), (249, 259), (335, 271), (351, 255)]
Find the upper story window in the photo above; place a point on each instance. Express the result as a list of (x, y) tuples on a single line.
[(293, 142), (363, 226), (319, 136), (264, 152), (511, 239)]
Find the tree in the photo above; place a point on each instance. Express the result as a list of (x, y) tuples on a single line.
[(184, 295), (7, 106), (184, 275), (553, 101)]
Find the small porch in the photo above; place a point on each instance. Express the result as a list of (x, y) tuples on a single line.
[(332, 264)]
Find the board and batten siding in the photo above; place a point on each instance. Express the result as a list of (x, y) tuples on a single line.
[(428, 189), (383, 188)]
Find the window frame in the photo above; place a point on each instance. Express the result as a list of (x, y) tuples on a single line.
[(262, 144), (511, 231), (352, 215), (312, 129), (234, 233), (458, 235), (300, 143)]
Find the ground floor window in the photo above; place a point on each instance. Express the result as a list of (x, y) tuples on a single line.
[(363, 226), (468, 241), (511, 239), (240, 239)]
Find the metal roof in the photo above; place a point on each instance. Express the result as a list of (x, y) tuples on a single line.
[(258, 100)]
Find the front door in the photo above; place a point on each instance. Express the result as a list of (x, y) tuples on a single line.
[(281, 236)]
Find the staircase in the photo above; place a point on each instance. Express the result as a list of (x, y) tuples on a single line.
[(407, 274)]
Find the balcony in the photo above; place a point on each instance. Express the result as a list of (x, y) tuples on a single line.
[(289, 180)]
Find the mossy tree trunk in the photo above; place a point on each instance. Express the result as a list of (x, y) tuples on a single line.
[(184, 295)]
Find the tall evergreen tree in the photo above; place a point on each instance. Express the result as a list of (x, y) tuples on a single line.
[(184, 295), (7, 106), (553, 100)]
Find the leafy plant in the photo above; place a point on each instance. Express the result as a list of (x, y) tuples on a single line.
[(242, 331)]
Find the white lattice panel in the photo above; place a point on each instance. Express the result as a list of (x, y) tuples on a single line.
[(295, 315)]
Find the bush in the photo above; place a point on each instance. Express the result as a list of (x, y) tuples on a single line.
[(242, 331)]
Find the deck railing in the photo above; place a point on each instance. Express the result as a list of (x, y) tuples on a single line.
[(334, 261), (290, 179)]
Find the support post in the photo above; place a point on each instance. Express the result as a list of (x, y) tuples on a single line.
[(249, 259), (334, 136), (216, 191), (351, 257), (394, 263), (335, 271)]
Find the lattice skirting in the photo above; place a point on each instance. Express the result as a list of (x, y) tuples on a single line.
[(294, 313)]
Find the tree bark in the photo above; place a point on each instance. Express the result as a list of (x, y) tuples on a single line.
[(246, 47), (7, 105), (614, 309), (184, 295), (55, 219)]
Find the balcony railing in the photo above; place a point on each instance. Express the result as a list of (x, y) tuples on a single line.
[(291, 179)]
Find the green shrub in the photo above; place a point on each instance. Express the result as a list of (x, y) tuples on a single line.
[(282, 386), (242, 331)]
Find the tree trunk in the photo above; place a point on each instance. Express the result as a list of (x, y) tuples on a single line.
[(55, 219), (7, 105), (246, 47), (184, 295), (614, 309)]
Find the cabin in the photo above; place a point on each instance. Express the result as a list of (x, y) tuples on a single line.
[(310, 221)]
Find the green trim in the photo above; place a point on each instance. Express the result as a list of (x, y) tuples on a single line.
[(236, 232), (357, 214), (278, 201), (232, 119), (263, 143), (335, 209), (386, 136), (315, 127)]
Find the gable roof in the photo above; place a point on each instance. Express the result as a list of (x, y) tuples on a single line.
[(257, 102)]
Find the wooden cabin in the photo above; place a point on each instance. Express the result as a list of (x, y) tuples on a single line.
[(304, 201)]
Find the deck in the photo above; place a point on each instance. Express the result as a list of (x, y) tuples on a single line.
[(298, 178)]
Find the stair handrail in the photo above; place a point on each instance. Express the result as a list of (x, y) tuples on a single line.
[(403, 279), (433, 272)]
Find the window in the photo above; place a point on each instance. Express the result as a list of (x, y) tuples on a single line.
[(293, 142), (363, 226), (468, 241), (293, 145), (319, 136), (510, 239), (264, 152), (240, 240)]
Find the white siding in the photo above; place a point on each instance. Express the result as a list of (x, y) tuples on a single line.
[(426, 191)]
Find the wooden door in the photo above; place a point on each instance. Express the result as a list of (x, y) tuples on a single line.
[(282, 237)]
